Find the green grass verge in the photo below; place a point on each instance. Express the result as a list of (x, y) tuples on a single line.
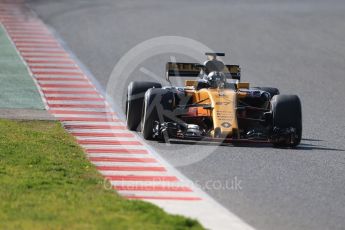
[(47, 183), (17, 88)]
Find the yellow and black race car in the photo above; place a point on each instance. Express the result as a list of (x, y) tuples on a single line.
[(216, 106)]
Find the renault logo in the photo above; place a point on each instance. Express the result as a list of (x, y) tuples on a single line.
[(226, 124)]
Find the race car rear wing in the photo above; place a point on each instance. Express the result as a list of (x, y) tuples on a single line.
[(180, 69)]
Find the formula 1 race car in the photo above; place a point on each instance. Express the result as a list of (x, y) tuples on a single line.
[(216, 106)]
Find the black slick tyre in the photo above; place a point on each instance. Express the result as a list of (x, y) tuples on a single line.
[(286, 114), (134, 103), (156, 101)]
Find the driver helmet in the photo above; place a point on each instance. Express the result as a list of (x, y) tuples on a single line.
[(216, 79)]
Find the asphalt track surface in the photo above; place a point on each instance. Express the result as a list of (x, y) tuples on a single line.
[(297, 46)]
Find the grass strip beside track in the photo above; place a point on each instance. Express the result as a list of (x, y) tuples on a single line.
[(17, 88), (48, 183)]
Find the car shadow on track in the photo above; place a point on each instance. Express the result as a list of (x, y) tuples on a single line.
[(309, 146), (311, 139), (302, 146)]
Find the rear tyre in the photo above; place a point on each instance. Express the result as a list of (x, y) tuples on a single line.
[(134, 103), (286, 114), (272, 91), (156, 103)]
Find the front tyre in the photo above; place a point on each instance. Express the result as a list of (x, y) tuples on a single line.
[(134, 103), (158, 103), (286, 120)]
